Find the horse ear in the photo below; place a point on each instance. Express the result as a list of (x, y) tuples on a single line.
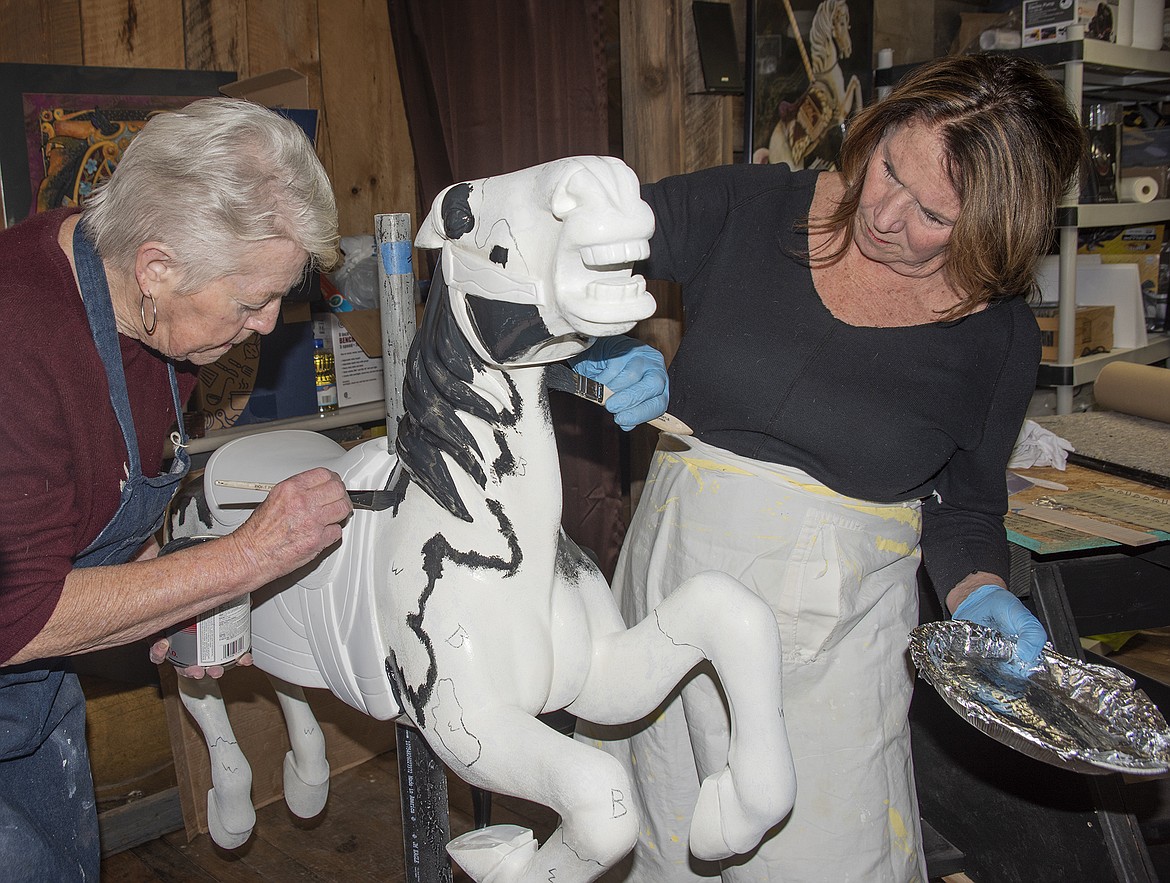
[(431, 233), (565, 197)]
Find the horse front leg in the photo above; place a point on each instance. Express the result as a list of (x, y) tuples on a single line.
[(230, 814), (586, 787), (710, 616), (306, 769)]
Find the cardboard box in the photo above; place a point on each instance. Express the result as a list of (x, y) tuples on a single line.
[(359, 376), (1134, 245), (1094, 331), (1047, 21), (280, 88)]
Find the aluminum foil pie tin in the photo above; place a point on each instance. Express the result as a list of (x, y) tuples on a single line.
[(1075, 715)]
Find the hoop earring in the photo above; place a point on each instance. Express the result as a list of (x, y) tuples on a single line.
[(153, 313)]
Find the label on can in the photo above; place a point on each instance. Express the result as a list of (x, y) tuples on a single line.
[(219, 636)]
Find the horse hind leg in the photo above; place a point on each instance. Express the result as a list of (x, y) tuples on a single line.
[(230, 814), (712, 616), (306, 768)]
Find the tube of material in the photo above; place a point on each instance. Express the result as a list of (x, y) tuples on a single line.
[(1138, 188), (1139, 390)]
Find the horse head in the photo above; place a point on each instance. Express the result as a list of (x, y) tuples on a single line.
[(538, 262)]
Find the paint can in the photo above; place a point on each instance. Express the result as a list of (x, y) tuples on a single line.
[(219, 636)]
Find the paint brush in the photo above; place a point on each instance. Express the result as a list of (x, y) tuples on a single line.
[(561, 377), (375, 501)]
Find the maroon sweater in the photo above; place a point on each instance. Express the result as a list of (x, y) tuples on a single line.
[(62, 456)]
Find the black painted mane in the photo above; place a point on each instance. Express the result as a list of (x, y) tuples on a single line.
[(440, 367)]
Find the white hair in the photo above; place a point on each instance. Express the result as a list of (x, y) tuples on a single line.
[(210, 181)]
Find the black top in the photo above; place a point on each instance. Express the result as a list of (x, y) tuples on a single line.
[(881, 414)]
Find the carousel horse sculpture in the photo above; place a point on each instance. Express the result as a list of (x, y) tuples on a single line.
[(464, 606), (829, 99)]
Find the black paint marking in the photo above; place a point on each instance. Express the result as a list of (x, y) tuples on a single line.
[(437, 551), (461, 728), (440, 369), (509, 331), (617, 802), (669, 637), (499, 255), (580, 858), (457, 216)]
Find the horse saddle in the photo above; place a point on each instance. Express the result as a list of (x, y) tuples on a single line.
[(318, 627)]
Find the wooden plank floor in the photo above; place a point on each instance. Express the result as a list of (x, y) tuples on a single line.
[(357, 837)]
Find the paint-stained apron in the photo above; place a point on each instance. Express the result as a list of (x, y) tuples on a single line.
[(840, 576), (48, 814)]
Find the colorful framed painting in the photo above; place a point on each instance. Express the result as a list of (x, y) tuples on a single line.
[(810, 68), (64, 127)]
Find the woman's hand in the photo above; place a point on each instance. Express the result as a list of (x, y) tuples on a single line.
[(635, 375), (996, 607), (299, 519), (158, 655)]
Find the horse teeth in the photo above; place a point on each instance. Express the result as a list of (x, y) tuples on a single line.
[(616, 254), (615, 291)]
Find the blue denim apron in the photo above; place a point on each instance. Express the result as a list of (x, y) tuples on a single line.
[(48, 813)]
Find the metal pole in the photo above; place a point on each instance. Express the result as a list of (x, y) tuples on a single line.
[(422, 780)]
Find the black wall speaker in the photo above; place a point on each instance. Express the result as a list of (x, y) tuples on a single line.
[(718, 52)]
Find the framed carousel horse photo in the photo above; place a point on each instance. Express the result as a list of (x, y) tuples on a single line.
[(810, 67), (65, 126)]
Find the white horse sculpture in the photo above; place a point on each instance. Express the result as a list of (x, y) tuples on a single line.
[(829, 99), (467, 592)]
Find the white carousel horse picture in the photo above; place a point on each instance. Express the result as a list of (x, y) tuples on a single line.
[(464, 606), (830, 98)]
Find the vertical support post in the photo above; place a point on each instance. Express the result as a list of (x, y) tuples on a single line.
[(422, 781), (393, 235)]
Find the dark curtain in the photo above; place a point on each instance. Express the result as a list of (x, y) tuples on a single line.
[(491, 87)]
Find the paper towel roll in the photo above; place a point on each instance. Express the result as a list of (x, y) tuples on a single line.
[(1147, 24), (999, 38), (1123, 33), (1138, 188), (1140, 390)]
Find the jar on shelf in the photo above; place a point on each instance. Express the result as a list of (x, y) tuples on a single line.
[(326, 376)]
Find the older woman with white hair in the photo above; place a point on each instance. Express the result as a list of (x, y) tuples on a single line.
[(212, 215)]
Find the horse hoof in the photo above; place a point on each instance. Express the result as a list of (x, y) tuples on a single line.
[(304, 799), (706, 841), (496, 854), (229, 829)]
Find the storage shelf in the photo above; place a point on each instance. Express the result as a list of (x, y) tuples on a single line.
[(1113, 214), (1086, 368), (351, 414), (1094, 69)]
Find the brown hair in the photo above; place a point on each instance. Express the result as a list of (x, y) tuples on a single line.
[(1011, 145)]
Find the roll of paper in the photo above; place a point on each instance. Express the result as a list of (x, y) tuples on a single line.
[(1138, 188), (1139, 390), (999, 38), (1147, 24), (1123, 33)]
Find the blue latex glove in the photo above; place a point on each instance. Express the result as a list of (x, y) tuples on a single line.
[(1001, 610), (635, 374)]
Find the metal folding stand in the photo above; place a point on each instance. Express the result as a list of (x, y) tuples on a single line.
[(426, 827)]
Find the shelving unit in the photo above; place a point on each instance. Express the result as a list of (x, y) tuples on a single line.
[(1097, 70), (352, 414)]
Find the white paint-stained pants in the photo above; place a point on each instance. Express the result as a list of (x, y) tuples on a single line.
[(840, 575)]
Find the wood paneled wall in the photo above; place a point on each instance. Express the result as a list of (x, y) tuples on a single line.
[(343, 47)]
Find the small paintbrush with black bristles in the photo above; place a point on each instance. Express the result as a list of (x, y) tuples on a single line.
[(561, 377)]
